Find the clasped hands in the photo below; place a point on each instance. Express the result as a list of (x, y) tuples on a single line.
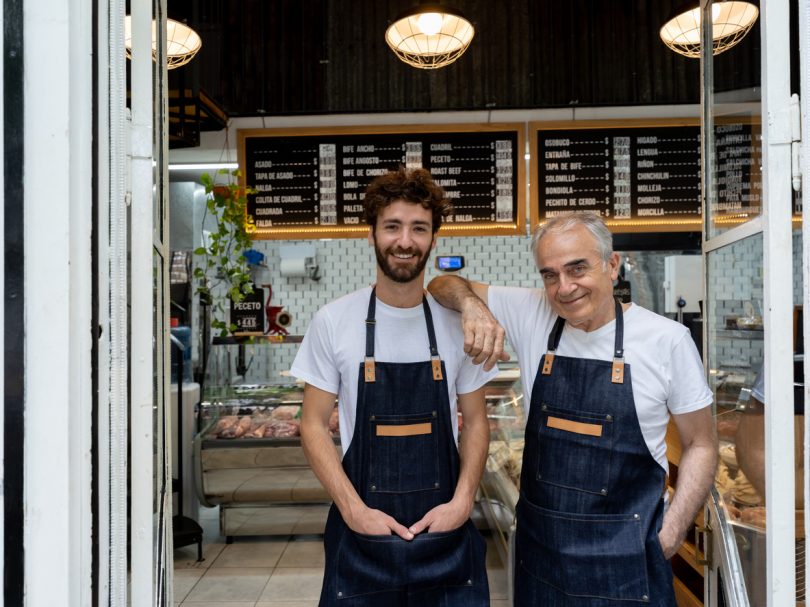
[(444, 517)]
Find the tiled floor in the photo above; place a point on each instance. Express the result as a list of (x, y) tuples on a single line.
[(265, 571)]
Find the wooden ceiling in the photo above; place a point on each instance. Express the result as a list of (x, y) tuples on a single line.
[(286, 57)]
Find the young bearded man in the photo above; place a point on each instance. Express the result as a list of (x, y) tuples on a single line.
[(399, 531)]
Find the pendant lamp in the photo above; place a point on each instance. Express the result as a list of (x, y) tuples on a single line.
[(731, 21), (430, 36), (182, 42)]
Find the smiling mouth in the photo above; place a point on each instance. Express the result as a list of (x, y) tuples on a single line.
[(403, 256), (568, 303)]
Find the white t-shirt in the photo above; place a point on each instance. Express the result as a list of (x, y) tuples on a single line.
[(335, 344), (666, 369)]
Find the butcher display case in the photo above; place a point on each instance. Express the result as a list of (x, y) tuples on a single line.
[(247, 454), (499, 484)]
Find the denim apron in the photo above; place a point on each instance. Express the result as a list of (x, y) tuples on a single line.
[(591, 503), (403, 461)]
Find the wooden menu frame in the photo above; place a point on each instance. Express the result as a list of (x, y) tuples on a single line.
[(616, 225), (476, 228)]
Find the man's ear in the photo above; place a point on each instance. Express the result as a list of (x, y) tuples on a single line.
[(435, 240), (371, 235), (613, 265)]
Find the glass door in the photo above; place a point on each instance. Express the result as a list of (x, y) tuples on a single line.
[(752, 260)]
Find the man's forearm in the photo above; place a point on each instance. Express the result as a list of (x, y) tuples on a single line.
[(325, 463), (695, 476), (450, 291), (474, 446)]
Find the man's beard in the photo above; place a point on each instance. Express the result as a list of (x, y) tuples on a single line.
[(405, 273)]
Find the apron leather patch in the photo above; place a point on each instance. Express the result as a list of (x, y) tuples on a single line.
[(547, 362), (405, 430), (437, 369), (370, 375), (617, 375), (575, 427)]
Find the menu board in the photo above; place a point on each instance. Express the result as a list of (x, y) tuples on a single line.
[(738, 157), (310, 183), (639, 177)]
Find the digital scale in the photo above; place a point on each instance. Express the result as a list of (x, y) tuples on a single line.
[(449, 263)]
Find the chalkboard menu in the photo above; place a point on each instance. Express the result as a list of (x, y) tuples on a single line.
[(639, 177), (310, 182), (738, 158)]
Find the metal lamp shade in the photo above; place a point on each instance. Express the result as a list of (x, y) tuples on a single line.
[(432, 48), (731, 21), (182, 42)]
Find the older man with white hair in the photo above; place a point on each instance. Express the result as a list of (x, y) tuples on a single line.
[(601, 380)]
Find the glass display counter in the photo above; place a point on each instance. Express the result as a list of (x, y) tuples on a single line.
[(248, 458), (501, 479)]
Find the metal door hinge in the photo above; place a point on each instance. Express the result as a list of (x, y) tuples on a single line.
[(706, 531), (795, 142)]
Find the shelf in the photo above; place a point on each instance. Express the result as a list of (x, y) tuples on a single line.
[(757, 334), (247, 443), (684, 597), (255, 338)]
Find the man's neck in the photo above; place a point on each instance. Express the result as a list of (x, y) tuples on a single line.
[(400, 294)]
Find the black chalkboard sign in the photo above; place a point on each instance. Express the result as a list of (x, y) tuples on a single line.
[(639, 177), (310, 182), (737, 193), (248, 314)]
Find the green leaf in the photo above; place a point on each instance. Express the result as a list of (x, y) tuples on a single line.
[(200, 251)]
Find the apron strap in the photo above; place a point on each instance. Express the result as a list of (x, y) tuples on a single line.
[(617, 373), (435, 361), (371, 323), (553, 342), (368, 365)]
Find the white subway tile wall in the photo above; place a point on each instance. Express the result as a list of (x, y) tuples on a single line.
[(348, 264)]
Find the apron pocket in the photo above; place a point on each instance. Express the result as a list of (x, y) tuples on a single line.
[(574, 449), (585, 555), (368, 564), (404, 453)]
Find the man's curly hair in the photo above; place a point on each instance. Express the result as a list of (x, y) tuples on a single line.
[(410, 185)]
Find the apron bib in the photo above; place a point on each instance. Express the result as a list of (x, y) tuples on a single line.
[(591, 500), (403, 461)]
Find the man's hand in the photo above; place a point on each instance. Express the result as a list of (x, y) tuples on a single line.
[(444, 517), (483, 336), (375, 522), (670, 543)]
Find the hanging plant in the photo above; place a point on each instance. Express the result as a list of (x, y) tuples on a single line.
[(224, 266)]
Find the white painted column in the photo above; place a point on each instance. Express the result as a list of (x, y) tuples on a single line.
[(58, 220), (778, 304), (142, 471)]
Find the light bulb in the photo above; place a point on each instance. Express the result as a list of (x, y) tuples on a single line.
[(430, 23), (716, 8)]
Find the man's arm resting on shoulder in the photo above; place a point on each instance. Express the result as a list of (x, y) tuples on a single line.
[(473, 449), (325, 463), (483, 336), (696, 472)]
